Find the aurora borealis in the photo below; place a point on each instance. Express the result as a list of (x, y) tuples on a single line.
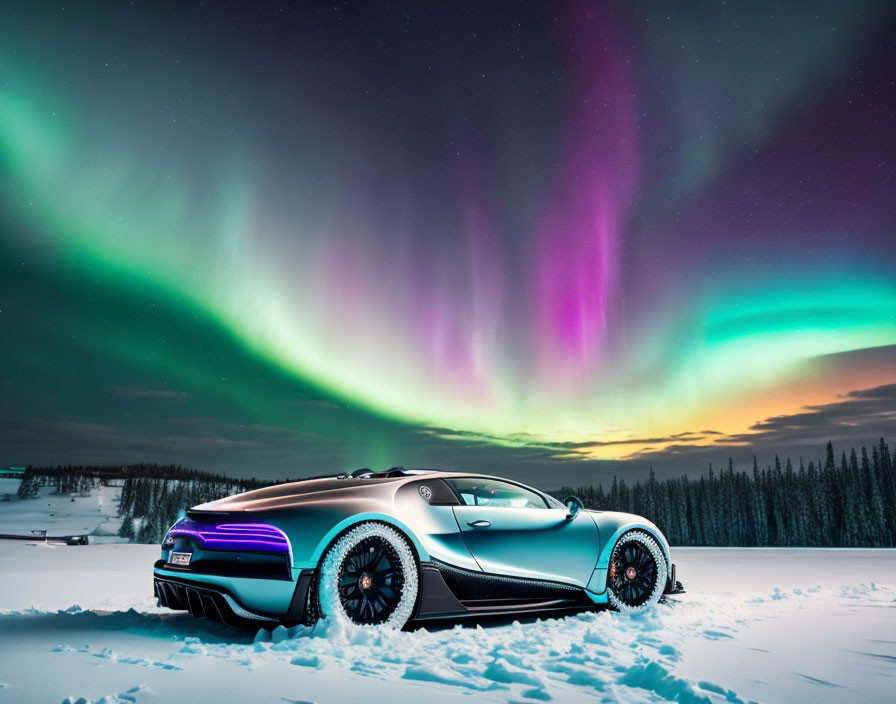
[(543, 238)]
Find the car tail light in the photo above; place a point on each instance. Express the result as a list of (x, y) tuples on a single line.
[(238, 537)]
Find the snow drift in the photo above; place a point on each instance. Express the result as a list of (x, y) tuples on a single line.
[(755, 625)]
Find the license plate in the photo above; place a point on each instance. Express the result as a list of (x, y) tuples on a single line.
[(180, 558)]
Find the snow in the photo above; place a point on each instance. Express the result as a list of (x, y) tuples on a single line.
[(61, 514), (8, 485), (47, 577), (787, 625), (756, 625)]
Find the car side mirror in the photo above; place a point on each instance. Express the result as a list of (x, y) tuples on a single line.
[(574, 503)]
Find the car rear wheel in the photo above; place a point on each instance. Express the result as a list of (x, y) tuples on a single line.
[(637, 573), (369, 577)]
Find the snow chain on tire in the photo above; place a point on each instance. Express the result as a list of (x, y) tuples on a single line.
[(330, 604), (652, 546)]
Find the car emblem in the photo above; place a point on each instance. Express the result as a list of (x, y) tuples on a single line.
[(180, 558), (426, 492)]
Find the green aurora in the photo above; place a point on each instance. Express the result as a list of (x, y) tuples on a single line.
[(204, 271)]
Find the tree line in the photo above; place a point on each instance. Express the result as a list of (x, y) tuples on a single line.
[(151, 500), (850, 502), (152, 495), (64, 480), (845, 502)]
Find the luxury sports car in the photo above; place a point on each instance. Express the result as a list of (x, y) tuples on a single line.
[(392, 547)]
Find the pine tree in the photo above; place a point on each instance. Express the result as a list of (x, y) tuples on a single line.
[(874, 502), (145, 534), (760, 517), (860, 518), (887, 484), (683, 512), (127, 529), (29, 487), (821, 504)]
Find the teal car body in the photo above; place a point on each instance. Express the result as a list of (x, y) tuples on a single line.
[(253, 558)]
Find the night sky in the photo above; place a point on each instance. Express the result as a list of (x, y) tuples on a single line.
[(550, 241)]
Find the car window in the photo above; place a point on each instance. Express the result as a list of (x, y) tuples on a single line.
[(490, 492), (555, 503)]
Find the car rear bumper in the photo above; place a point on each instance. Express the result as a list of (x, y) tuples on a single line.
[(242, 601), (203, 602)]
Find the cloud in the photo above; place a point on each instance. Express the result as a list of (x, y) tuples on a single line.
[(215, 446), (566, 449), (865, 411), (265, 450), (860, 417)]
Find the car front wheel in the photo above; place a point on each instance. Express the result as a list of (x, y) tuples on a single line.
[(369, 576), (637, 573)]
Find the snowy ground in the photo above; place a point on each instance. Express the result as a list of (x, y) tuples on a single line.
[(755, 625), (61, 514), (8, 485)]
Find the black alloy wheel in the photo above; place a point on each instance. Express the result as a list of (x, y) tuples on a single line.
[(633, 572), (370, 581)]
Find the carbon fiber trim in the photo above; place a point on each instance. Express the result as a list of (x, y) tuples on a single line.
[(299, 608), (436, 598), (203, 602), (478, 587), (312, 603)]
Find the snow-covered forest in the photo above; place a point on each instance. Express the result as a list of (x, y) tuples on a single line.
[(850, 502), (151, 503), (151, 495)]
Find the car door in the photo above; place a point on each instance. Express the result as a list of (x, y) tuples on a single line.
[(512, 530)]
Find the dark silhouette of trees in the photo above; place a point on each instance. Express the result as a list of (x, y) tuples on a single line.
[(30, 485), (151, 497), (847, 504)]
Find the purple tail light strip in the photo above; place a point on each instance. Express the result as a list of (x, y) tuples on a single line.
[(251, 537)]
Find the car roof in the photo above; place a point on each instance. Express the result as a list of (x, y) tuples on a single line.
[(272, 496), (398, 475), (409, 475)]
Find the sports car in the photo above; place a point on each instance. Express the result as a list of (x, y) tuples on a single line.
[(400, 546)]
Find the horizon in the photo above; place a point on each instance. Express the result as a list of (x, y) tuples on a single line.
[(798, 464)]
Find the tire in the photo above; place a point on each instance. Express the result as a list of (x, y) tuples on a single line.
[(637, 573), (369, 577)]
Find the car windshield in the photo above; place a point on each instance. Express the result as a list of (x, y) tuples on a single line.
[(490, 492)]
